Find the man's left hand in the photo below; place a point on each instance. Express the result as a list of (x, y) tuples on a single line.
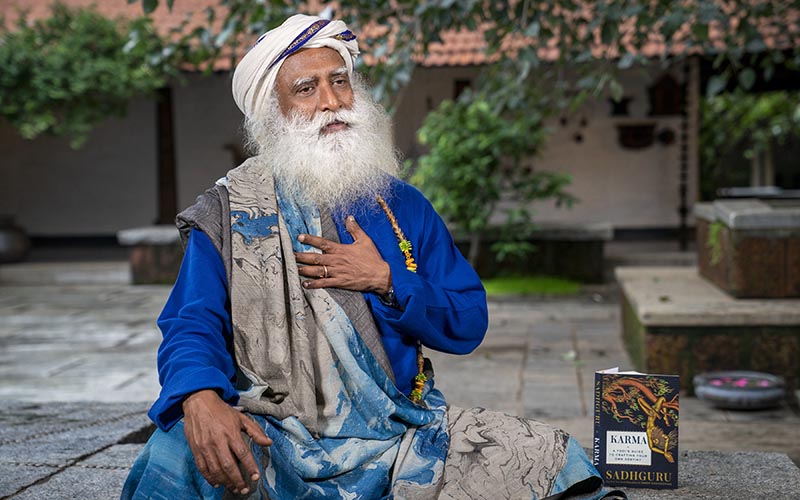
[(358, 266)]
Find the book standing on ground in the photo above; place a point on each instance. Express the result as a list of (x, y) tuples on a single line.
[(636, 429)]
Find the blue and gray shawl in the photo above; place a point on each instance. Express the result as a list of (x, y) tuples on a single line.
[(339, 425)]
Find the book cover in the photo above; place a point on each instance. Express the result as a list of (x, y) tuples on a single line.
[(636, 429)]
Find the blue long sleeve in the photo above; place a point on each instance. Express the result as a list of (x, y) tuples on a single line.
[(196, 326), (443, 304)]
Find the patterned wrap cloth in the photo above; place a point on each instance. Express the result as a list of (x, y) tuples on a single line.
[(337, 418)]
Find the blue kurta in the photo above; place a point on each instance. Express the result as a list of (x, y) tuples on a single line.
[(443, 304)]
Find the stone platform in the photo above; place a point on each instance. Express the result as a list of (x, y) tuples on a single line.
[(750, 247), (676, 322), (85, 450)]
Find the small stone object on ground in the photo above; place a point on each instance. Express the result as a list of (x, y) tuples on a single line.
[(14, 243), (740, 390)]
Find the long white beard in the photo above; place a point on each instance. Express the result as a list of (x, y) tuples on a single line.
[(333, 170)]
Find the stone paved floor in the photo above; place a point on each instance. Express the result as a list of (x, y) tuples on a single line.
[(79, 342), (97, 344)]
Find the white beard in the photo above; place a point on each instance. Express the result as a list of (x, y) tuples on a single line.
[(333, 170)]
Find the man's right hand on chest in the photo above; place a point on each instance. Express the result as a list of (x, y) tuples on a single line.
[(214, 433)]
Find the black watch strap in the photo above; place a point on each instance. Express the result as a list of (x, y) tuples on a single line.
[(390, 299)]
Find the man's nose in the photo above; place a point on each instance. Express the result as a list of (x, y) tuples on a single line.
[(328, 99)]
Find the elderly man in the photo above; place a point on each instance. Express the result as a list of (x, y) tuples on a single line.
[(291, 365)]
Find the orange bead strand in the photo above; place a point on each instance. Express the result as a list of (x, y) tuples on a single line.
[(411, 265)]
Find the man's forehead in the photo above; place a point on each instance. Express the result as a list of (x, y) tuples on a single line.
[(313, 62)]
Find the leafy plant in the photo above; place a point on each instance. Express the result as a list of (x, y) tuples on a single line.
[(754, 123), (66, 73), (479, 167), (714, 241)]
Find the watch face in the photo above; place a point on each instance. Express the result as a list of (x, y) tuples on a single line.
[(390, 299)]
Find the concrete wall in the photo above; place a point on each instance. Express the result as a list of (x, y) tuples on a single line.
[(110, 183), (206, 120)]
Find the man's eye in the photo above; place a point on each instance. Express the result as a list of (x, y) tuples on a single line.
[(340, 81), (305, 90)]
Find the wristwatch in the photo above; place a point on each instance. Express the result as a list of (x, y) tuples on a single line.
[(390, 299)]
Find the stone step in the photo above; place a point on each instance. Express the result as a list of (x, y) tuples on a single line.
[(66, 273)]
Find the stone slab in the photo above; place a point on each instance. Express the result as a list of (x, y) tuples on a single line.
[(16, 476), (79, 482), (155, 264), (677, 322), (100, 476), (64, 450), (118, 456), (166, 234), (750, 214), (60, 433), (715, 475), (603, 231), (678, 296), (59, 273), (573, 251)]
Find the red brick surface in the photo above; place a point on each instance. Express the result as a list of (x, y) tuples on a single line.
[(750, 266), (793, 267), (758, 267), (667, 354), (155, 264), (777, 354), (690, 351)]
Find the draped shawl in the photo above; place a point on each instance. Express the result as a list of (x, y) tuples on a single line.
[(308, 371)]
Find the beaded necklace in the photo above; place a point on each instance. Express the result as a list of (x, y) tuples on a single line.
[(405, 247)]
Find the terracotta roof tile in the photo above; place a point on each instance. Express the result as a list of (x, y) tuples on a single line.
[(164, 18)]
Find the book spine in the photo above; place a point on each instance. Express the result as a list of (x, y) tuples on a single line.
[(598, 438)]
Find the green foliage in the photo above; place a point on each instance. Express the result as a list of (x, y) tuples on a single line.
[(479, 157), (530, 285), (576, 33), (65, 74), (714, 242), (751, 122)]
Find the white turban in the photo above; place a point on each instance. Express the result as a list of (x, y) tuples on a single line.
[(255, 75)]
